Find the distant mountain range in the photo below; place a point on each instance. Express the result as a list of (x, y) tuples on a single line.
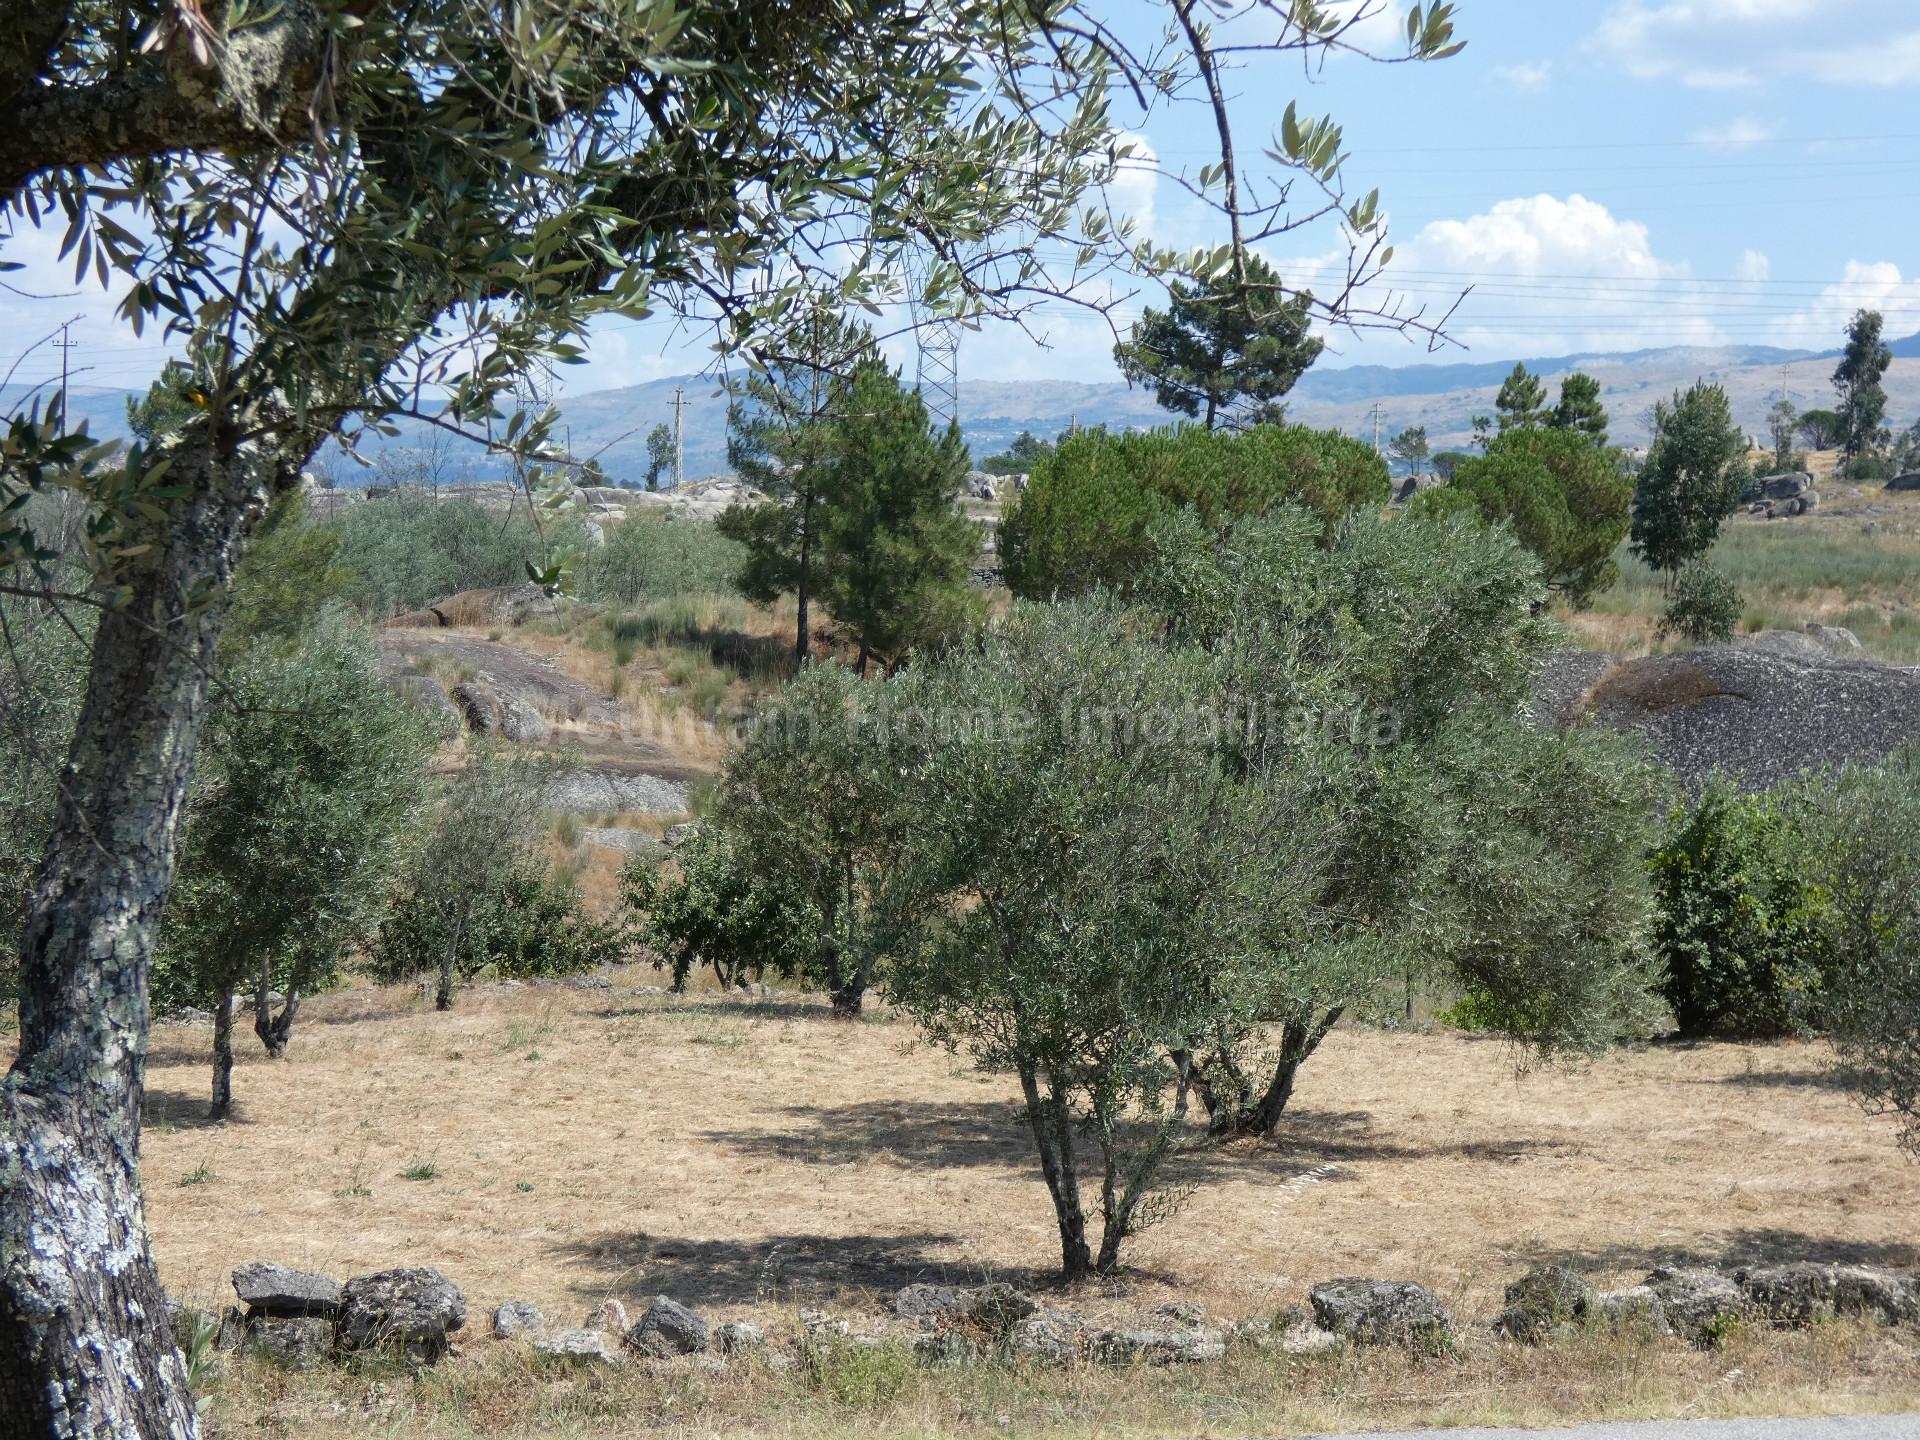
[(612, 425)]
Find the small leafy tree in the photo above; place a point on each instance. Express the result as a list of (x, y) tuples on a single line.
[(1865, 861), (781, 440), (1857, 381), (1579, 408), (481, 832), (1566, 498), (1740, 926), (1822, 429), (807, 804), (1705, 606), (1410, 447), (715, 910), (895, 551), (1783, 423), (1692, 480), (1019, 457), (660, 453), (522, 922), (1445, 462), (313, 773), (1522, 401), (1225, 345)]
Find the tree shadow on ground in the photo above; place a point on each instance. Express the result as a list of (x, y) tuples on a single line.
[(950, 1134), (815, 1269), (1824, 1078), (718, 1006), (182, 1110), (1736, 1250)]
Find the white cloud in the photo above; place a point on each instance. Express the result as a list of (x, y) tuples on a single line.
[(43, 294), (1754, 267), (1863, 286), (1529, 78), (1136, 183), (1744, 44), (1543, 275), (1741, 134), (1377, 26)]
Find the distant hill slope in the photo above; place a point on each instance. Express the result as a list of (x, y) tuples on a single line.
[(612, 425)]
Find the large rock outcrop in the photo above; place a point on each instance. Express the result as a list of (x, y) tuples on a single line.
[(1760, 713)]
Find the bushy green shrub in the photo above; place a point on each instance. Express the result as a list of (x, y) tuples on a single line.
[(407, 549), (522, 925), (720, 912), (1567, 499), (654, 557), (1739, 926), (1866, 861), (1869, 467), (1086, 518), (1705, 606)]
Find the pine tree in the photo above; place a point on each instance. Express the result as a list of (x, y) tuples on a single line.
[(1224, 349), (1522, 401), (1580, 409), (895, 550), (782, 441)]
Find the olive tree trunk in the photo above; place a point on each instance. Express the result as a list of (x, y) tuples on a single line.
[(1053, 1138), (276, 1030), (86, 1350), (222, 1057)]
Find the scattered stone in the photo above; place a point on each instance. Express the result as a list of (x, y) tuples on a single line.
[(998, 1306), (1634, 1310), (1548, 1298), (520, 722), (1382, 1312), (782, 1363), (1049, 1338), (1154, 1347), (478, 708), (416, 1308), (1904, 482), (737, 1338), (1697, 1301), (919, 1302), (517, 1317), (611, 1316), (1799, 1294), (1836, 638), (294, 1342), (678, 834), (668, 1328), (270, 1289), (576, 1347), (945, 1351), (1187, 1313)]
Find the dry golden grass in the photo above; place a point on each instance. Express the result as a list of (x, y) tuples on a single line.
[(750, 1157)]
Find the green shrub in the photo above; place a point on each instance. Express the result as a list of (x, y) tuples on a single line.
[(658, 557), (406, 549), (718, 911), (1869, 467), (1739, 927), (1567, 499), (1705, 606), (522, 925), (1087, 516)]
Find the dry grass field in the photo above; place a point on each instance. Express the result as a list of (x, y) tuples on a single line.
[(750, 1157)]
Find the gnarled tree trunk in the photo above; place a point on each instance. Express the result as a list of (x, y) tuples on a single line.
[(222, 1057), (86, 1350), (1053, 1137)]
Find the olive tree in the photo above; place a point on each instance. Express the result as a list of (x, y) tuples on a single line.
[(807, 802), (361, 211), (301, 806), (1456, 843), (1095, 888)]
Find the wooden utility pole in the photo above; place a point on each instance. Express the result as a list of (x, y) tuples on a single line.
[(1376, 427), (679, 431), (64, 346)]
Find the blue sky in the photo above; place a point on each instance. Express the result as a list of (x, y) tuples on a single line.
[(1606, 174)]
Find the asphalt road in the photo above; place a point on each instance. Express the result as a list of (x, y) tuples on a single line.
[(1862, 1427)]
